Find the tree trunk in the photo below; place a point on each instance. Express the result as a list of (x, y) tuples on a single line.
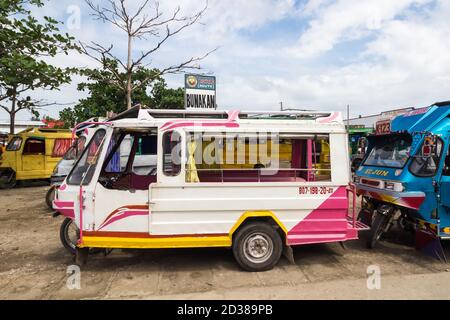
[(12, 113), (12, 119), (129, 72)]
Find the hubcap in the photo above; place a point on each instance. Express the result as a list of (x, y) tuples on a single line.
[(258, 247)]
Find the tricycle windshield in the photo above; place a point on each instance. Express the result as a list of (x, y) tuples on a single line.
[(14, 144), (389, 151), (84, 169)]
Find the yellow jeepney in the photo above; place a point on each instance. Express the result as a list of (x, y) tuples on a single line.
[(32, 154)]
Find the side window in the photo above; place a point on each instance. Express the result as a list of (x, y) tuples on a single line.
[(61, 146), (119, 159), (426, 166), (34, 146), (145, 159), (257, 157), (14, 144), (171, 142)]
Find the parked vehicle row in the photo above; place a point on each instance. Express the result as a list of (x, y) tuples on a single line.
[(257, 182)]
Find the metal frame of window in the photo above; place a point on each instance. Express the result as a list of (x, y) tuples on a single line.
[(172, 174), (438, 162)]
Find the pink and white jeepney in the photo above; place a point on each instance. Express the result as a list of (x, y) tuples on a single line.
[(257, 182)]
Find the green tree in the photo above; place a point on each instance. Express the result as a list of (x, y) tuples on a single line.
[(105, 95), (166, 98), (143, 20), (24, 43)]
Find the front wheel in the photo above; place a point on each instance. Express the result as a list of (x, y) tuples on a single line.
[(10, 181), (377, 229), (50, 196), (69, 234), (257, 247)]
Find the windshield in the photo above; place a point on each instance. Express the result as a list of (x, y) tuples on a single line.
[(389, 151), (85, 167), (76, 149)]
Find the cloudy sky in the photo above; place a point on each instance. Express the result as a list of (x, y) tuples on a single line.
[(374, 55)]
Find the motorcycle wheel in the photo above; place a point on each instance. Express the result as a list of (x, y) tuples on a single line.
[(376, 230), (11, 183), (50, 196), (69, 234)]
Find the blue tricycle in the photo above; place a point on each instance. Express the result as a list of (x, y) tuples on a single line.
[(404, 178)]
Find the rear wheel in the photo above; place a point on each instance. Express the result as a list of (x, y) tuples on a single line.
[(257, 247)]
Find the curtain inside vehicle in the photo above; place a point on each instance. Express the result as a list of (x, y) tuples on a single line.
[(192, 175)]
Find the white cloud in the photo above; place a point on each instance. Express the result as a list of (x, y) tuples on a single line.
[(345, 20), (401, 58)]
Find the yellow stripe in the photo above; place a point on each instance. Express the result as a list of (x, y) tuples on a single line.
[(176, 242), (156, 243), (249, 214)]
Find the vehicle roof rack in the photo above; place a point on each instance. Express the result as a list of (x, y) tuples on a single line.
[(222, 114)]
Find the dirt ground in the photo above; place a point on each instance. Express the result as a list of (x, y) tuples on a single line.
[(33, 265)]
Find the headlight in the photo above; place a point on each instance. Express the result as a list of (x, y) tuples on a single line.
[(394, 186), (356, 179)]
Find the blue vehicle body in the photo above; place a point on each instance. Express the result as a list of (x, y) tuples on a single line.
[(398, 170)]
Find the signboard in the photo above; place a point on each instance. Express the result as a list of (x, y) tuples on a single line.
[(199, 92), (383, 127)]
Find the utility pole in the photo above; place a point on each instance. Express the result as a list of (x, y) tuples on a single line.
[(281, 105), (348, 115)]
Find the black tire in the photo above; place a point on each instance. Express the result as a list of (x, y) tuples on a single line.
[(11, 183), (64, 234), (363, 216), (70, 241), (81, 256), (50, 196), (376, 230), (265, 238)]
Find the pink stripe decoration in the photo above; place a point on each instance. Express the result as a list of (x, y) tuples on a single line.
[(327, 223), (61, 204), (66, 208), (122, 215), (330, 118), (228, 123)]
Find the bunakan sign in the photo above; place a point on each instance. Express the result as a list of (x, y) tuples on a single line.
[(199, 92)]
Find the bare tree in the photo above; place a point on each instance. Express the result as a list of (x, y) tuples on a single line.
[(147, 21)]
